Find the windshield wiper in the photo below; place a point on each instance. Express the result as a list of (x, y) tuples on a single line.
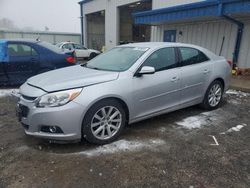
[(84, 65), (90, 67)]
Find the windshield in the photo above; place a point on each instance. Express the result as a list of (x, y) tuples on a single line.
[(118, 59)]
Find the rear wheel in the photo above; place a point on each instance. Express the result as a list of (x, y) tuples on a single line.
[(213, 96), (92, 55), (104, 122)]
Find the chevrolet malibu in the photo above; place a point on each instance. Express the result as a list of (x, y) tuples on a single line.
[(127, 84)]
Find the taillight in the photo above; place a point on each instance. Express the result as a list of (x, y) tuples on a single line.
[(71, 59), (230, 63)]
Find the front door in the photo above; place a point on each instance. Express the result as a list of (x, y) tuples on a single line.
[(159, 91), (23, 61), (169, 36), (81, 51)]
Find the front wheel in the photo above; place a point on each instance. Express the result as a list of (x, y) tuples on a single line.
[(213, 96), (104, 122)]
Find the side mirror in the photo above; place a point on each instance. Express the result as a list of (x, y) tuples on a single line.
[(146, 70)]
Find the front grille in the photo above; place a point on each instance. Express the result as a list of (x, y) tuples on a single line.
[(24, 110), (29, 98), (48, 129)]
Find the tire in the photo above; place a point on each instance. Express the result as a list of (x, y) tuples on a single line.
[(97, 128), (92, 55), (213, 96)]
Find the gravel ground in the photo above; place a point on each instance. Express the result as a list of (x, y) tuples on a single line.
[(189, 148)]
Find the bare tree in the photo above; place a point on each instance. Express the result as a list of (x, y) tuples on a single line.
[(6, 23)]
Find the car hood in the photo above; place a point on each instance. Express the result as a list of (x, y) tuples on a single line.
[(71, 77)]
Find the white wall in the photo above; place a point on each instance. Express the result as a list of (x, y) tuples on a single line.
[(111, 17), (210, 35), (167, 3), (206, 34)]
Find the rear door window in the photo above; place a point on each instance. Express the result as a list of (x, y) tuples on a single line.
[(79, 47), (162, 59), (191, 56), (68, 46), (20, 50)]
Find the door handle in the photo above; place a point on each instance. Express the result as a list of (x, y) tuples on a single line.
[(174, 79), (206, 71)]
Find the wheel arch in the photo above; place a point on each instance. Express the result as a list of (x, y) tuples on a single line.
[(220, 80), (212, 80), (118, 99), (204, 104)]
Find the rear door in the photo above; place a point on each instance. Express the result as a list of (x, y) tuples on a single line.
[(161, 90), (81, 51), (23, 62), (195, 72)]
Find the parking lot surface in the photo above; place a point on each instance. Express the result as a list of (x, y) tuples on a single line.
[(187, 148)]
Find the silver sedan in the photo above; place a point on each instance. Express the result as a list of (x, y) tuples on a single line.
[(127, 84)]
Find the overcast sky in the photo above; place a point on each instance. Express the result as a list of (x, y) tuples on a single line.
[(57, 15)]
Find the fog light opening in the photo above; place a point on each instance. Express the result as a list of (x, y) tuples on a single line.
[(51, 129)]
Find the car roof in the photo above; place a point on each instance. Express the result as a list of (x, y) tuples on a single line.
[(158, 44), (67, 42), (22, 40)]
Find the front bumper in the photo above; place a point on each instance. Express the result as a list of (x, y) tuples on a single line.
[(68, 118)]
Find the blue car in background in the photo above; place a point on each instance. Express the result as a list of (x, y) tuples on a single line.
[(21, 59)]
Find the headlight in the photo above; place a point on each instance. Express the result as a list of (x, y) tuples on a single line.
[(58, 98)]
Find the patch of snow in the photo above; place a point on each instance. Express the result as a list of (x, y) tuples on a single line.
[(235, 129), (237, 93), (194, 121), (7, 92), (233, 101), (162, 129), (123, 146), (21, 149), (204, 119)]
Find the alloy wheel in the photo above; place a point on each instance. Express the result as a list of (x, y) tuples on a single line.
[(106, 122), (215, 95)]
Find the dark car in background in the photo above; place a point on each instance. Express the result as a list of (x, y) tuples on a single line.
[(21, 59)]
